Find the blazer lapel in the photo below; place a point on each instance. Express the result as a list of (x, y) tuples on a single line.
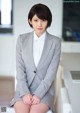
[(30, 59), (46, 49)]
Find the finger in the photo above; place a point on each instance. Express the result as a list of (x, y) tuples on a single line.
[(35, 102), (30, 102), (24, 102)]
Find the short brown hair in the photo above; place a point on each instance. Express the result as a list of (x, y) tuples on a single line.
[(42, 12)]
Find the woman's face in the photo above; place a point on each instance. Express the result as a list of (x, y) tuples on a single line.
[(38, 25)]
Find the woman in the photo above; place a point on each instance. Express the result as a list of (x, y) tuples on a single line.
[(37, 60)]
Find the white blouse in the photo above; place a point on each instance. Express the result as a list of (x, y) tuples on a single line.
[(38, 44)]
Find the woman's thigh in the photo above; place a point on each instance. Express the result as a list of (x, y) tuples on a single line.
[(20, 107), (39, 108)]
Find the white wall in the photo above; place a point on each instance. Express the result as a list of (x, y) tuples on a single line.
[(7, 56), (8, 42), (71, 61)]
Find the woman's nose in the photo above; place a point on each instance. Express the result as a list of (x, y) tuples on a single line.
[(40, 23)]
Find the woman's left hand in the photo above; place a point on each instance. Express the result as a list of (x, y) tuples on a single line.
[(35, 100)]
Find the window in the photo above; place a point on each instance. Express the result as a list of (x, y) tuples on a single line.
[(71, 20), (6, 16)]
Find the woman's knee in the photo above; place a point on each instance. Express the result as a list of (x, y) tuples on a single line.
[(39, 108), (20, 107)]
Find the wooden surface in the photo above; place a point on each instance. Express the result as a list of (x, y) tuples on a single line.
[(7, 88)]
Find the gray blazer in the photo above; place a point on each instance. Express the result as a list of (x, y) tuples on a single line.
[(38, 80)]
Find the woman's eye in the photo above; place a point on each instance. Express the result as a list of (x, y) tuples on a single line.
[(43, 20), (36, 20)]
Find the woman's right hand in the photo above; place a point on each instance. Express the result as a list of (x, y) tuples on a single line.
[(27, 99)]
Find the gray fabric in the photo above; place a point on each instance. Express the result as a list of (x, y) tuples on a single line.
[(38, 81)]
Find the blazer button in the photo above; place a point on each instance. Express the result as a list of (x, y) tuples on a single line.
[(34, 71)]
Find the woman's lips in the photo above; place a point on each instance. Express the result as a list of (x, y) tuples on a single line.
[(40, 28)]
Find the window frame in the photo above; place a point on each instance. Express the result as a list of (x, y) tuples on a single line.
[(7, 29)]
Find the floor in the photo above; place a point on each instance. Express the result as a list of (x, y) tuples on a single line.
[(4, 109)]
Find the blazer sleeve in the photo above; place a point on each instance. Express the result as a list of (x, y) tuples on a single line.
[(22, 85), (51, 72)]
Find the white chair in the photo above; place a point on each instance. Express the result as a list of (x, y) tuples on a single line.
[(62, 103)]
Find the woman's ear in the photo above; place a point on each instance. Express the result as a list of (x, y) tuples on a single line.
[(30, 22)]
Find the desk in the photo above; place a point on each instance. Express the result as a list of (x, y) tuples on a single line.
[(73, 88)]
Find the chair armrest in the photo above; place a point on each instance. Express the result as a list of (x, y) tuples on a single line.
[(64, 105)]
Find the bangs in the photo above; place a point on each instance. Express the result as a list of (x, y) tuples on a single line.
[(41, 15)]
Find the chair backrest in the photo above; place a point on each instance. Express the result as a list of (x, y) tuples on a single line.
[(59, 77), (58, 84)]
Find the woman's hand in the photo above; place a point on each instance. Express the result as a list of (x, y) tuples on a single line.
[(35, 100), (27, 99)]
